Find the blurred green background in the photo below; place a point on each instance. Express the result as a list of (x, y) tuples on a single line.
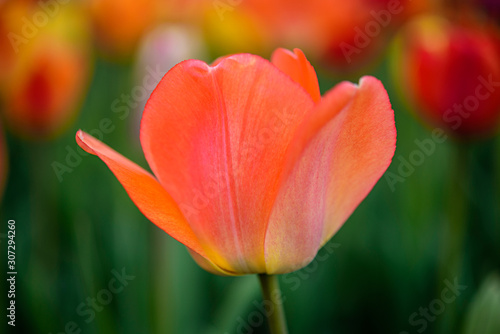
[(77, 230)]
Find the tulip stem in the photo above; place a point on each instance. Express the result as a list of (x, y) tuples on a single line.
[(271, 293), (457, 214), (454, 233)]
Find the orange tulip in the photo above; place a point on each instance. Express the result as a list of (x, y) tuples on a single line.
[(254, 170)]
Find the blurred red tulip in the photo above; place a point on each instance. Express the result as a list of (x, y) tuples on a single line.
[(48, 67), (451, 74), (357, 39), (255, 171)]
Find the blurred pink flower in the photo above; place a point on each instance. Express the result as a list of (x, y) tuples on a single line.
[(159, 51)]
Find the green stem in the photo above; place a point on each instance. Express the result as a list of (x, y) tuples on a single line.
[(454, 234), (458, 211), (271, 293)]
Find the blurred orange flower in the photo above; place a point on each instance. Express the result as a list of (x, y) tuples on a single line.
[(47, 67), (119, 24), (255, 171), (235, 30), (344, 34), (450, 72)]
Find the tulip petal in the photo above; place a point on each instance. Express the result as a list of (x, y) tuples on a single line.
[(295, 229), (364, 148), (343, 148), (145, 191), (296, 65), (216, 137), (209, 266)]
